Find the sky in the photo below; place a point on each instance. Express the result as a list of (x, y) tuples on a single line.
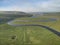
[(30, 5)]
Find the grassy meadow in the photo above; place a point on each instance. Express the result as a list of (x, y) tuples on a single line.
[(30, 35)]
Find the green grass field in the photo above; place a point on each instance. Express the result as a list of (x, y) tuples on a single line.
[(29, 35), (53, 24)]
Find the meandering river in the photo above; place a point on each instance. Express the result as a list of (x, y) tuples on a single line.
[(50, 29)]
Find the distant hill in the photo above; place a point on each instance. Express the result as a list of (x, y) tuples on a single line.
[(45, 13), (14, 13), (11, 12), (36, 13)]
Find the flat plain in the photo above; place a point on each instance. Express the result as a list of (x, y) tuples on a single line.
[(30, 35)]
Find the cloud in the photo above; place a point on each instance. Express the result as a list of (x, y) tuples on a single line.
[(48, 6), (30, 6)]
